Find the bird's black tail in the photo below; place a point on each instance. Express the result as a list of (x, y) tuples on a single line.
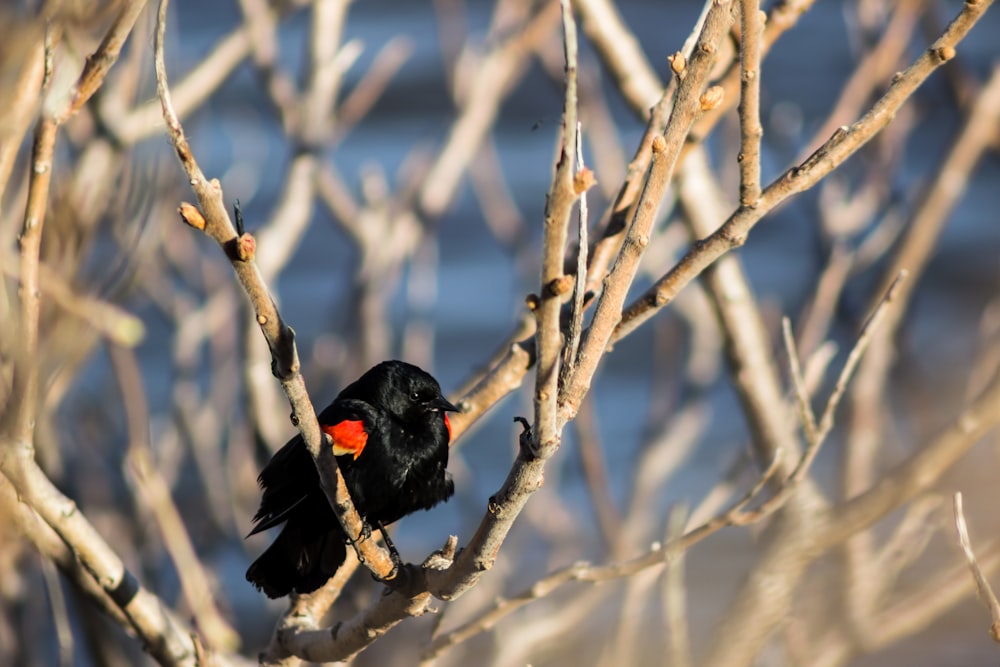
[(300, 560)]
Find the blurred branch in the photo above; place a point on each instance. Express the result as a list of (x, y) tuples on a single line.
[(195, 585), (585, 572), (22, 101), (495, 75), (116, 324), (99, 63), (748, 348), (877, 67), (595, 473), (159, 631), (920, 471), (948, 184), (674, 594), (198, 85), (621, 53), (791, 547), (920, 608)]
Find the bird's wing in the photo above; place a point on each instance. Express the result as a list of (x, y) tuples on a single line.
[(290, 477), (272, 519)]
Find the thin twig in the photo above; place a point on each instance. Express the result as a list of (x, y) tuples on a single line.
[(749, 106), (674, 592), (582, 179), (554, 285), (986, 593), (798, 381)]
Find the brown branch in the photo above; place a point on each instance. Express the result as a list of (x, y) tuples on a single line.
[(749, 106), (986, 593), (22, 100), (554, 285), (583, 180), (666, 150), (100, 62), (212, 218), (919, 472), (495, 76), (195, 584), (345, 639), (844, 143), (197, 85), (949, 183), (621, 53), (160, 632), (782, 17), (305, 613), (585, 572), (478, 556), (748, 348), (50, 545)]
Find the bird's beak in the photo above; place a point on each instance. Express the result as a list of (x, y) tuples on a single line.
[(442, 404)]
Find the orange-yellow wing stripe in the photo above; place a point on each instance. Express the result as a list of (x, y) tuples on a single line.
[(349, 437)]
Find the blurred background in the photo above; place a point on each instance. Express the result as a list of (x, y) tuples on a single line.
[(392, 160)]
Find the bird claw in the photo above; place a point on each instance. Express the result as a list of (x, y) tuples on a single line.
[(393, 554), (366, 532), (397, 561)]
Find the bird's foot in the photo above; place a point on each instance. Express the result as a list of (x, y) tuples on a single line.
[(397, 562), (366, 532)]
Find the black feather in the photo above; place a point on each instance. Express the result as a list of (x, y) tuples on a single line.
[(401, 469)]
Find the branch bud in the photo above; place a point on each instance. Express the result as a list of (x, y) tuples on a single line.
[(192, 216), (712, 98), (678, 63)]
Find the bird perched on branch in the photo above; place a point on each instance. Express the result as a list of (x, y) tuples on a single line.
[(390, 434)]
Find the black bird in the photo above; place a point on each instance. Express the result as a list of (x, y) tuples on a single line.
[(390, 434)]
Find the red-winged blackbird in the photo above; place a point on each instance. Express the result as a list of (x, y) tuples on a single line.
[(390, 433)]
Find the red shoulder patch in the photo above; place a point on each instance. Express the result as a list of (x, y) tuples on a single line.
[(447, 425), (349, 437)]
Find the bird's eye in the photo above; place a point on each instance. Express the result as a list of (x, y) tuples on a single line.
[(415, 396)]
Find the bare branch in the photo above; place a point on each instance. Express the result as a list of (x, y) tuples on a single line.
[(749, 107), (554, 285), (986, 593), (830, 155), (213, 219)]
